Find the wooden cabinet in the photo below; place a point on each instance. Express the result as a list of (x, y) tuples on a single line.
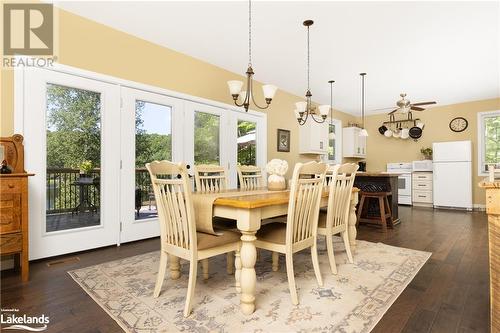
[(422, 189), (353, 145), (313, 138), (14, 204)]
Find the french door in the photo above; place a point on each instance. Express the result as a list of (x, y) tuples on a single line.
[(152, 129), (69, 125), (88, 140)]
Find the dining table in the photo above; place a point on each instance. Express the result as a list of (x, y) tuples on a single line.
[(249, 209)]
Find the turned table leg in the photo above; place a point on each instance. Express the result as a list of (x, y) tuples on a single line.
[(175, 267), (351, 229)]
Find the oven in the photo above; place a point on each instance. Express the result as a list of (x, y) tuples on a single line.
[(404, 181)]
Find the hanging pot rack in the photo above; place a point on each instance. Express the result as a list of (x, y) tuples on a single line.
[(392, 120)]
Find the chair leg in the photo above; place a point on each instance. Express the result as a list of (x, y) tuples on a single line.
[(383, 220), (291, 278), (230, 263), (237, 265), (175, 267), (360, 209), (193, 267), (314, 256), (161, 273), (347, 246), (204, 265), (276, 261), (389, 211), (331, 257)]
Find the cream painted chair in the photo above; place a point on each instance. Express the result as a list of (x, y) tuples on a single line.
[(179, 238), (302, 221), (210, 178), (340, 180), (250, 177)]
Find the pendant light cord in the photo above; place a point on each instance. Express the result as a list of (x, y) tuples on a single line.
[(250, 33), (308, 58), (331, 104)]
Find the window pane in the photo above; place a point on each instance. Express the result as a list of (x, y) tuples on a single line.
[(206, 138), (153, 141), (247, 146), (73, 158), (331, 142), (492, 140)]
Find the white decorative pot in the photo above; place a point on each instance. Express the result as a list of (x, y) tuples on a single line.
[(276, 183)]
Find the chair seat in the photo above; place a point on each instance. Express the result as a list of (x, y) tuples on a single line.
[(273, 232), (207, 241)]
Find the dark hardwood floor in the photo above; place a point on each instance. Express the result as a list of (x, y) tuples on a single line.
[(449, 294)]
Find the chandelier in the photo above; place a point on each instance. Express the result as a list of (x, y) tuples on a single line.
[(305, 109), (235, 86)]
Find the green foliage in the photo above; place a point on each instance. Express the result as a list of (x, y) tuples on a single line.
[(86, 166), (247, 152), (206, 138), (492, 142), (426, 151)]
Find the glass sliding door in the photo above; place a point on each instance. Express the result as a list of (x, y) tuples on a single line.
[(152, 123), (69, 140), (206, 138), (247, 142)]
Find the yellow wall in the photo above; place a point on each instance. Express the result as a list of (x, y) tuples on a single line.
[(382, 150), (88, 45)]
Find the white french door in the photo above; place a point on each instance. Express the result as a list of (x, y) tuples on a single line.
[(151, 130), (69, 125)]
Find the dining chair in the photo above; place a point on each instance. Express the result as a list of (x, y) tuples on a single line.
[(250, 177), (210, 178), (302, 221), (340, 180), (179, 237)]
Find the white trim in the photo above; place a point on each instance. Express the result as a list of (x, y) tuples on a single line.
[(480, 138), (19, 100)]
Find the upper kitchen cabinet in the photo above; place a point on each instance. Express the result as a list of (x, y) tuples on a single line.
[(353, 144), (313, 138)]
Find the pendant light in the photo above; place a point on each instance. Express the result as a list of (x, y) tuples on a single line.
[(305, 109), (363, 132), (235, 86)]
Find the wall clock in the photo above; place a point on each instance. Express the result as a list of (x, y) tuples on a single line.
[(458, 124)]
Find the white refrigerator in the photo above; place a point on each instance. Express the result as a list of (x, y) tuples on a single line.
[(452, 174)]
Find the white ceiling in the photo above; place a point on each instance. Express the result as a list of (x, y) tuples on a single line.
[(443, 51)]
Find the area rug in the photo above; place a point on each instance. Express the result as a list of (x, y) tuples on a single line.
[(354, 300)]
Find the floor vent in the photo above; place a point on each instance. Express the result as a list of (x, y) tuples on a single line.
[(64, 261)]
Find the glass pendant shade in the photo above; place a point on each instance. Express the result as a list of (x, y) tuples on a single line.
[(331, 136), (363, 132), (269, 91), (297, 115), (324, 110), (235, 87), (243, 95), (301, 106)]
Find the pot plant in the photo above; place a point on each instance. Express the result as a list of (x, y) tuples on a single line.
[(427, 153), (85, 169)]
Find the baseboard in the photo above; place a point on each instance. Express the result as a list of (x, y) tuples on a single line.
[(479, 207)]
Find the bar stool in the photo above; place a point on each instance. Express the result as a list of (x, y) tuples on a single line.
[(385, 214)]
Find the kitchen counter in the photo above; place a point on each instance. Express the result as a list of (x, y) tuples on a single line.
[(387, 182)]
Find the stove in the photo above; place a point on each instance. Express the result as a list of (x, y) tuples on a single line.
[(404, 181)]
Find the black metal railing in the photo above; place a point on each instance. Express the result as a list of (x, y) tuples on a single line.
[(63, 192)]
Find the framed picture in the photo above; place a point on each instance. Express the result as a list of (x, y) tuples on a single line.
[(283, 140)]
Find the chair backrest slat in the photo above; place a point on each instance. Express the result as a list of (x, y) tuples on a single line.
[(172, 192), (210, 178), (340, 186), (250, 177), (307, 185)]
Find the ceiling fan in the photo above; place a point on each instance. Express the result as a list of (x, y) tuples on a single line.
[(404, 105)]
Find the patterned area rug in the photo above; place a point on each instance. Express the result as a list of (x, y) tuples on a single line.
[(352, 301)]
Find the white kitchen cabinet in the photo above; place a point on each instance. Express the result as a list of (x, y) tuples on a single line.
[(353, 144), (313, 138), (422, 188)]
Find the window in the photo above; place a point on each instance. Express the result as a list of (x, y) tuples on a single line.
[(247, 142), (488, 139), (334, 142)]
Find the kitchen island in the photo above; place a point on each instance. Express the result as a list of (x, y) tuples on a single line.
[(380, 182)]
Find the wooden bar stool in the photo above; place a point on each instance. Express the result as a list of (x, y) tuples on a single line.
[(385, 214)]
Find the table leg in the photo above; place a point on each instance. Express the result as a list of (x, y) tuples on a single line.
[(351, 230), (248, 278), (175, 267)]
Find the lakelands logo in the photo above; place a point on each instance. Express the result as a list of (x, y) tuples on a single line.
[(28, 30), (16, 321)]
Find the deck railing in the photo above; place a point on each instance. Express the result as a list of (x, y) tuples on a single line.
[(63, 192)]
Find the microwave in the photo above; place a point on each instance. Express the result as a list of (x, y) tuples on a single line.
[(424, 165)]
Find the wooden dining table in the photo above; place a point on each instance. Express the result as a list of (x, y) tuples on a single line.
[(249, 211)]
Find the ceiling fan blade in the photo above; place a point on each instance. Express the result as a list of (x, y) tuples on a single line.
[(416, 108), (380, 109), (424, 103), (393, 111)]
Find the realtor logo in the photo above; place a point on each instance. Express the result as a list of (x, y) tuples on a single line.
[(28, 29)]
